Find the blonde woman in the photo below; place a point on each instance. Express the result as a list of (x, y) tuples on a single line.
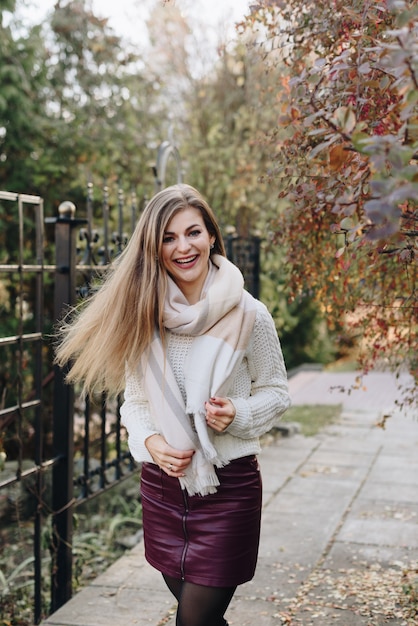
[(203, 374)]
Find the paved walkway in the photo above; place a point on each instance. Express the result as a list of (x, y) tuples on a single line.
[(340, 523)]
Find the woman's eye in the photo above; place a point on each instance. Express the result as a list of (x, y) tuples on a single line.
[(168, 239), (195, 233)]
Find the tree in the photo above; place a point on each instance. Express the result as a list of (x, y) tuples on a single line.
[(215, 116), (101, 118), (22, 79), (75, 104), (220, 122), (224, 128), (345, 159)]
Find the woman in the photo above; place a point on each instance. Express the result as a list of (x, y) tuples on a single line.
[(204, 377)]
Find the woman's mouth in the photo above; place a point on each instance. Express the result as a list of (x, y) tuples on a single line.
[(187, 261)]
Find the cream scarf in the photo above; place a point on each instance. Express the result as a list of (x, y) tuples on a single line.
[(221, 324)]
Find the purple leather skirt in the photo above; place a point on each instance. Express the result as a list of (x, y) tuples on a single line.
[(211, 540)]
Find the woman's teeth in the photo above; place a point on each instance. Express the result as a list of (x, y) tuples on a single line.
[(185, 261)]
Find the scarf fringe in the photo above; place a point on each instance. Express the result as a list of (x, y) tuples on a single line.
[(205, 437), (201, 477), (200, 485)]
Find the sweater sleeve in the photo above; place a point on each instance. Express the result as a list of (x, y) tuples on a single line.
[(269, 397), (136, 418)]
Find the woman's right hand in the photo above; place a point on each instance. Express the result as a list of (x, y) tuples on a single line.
[(172, 461)]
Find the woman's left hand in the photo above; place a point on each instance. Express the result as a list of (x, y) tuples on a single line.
[(220, 413)]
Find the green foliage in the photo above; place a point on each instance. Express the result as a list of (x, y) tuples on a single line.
[(16, 577), (75, 105), (224, 127), (22, 104), (304, 333)]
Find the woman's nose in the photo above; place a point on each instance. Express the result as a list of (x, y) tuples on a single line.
[(183, 243)]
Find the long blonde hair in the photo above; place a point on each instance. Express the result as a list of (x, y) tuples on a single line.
[(114, 326)]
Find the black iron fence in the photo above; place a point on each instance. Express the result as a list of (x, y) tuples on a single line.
[(43, 422), (22, 371)]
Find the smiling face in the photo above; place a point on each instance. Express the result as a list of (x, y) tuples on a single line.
[(185, 252)]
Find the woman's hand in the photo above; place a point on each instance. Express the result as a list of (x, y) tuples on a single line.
[(220, 413), (173, 462)]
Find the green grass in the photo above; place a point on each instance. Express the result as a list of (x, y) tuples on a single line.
[(343, 365), (312, 418)]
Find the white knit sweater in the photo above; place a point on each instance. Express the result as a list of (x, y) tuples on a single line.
[(259, 393)]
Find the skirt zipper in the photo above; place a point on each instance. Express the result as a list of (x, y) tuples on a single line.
[(186, 539)]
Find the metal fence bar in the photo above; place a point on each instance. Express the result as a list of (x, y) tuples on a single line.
[(245, 253), (24, 197), (39, 308), (4, 341), (63, 415), (22, 341), (86, 452)]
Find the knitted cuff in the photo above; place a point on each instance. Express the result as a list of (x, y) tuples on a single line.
[(139, 450), (242, 419)]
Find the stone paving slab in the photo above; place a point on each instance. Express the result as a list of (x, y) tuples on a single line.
[(107, 606), (129, 592), (344, 555), (336, 508), (399, 510), (374, 532), (278, 464)]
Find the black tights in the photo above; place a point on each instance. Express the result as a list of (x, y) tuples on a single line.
[(199, 605)]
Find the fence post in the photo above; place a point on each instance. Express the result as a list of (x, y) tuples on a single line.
[(245, 253), (256, 242), (63, 413)]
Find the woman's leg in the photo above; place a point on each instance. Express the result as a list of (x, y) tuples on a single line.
[(175, 585), (199, 605), (203, 606)]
